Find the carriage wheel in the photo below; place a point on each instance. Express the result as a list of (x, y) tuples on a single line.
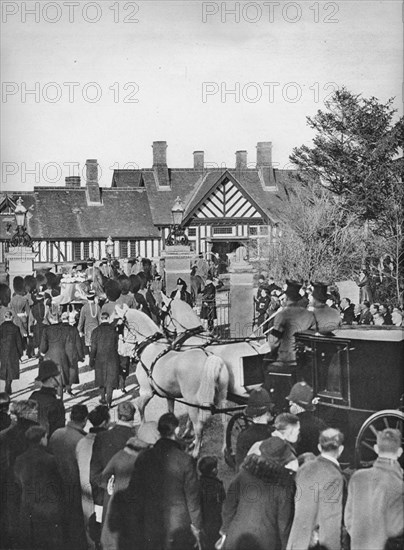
[(367, 436), (236, 424)]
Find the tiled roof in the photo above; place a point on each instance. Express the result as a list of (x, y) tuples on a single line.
[(193, 185), (61, 213), (127, 178)]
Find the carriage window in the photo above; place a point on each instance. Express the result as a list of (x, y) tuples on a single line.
[(332, 364)]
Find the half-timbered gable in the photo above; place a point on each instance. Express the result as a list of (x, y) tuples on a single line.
[(224, 207)]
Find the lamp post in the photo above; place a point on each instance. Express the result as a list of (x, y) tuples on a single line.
[(20, 237), (177, 235)]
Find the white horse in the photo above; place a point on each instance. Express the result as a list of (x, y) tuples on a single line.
[(195, 377)]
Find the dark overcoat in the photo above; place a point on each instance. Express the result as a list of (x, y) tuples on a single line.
[(163, 499), (62, 445), (53, 346), (247, 438), (38, 315), (41, 511), (258, 510), (208, 309), (106, 445), (212, 496), (12, 444), (121, 467), (11, 349), (51, 411), (74, 352), (104, 358), (310, 428)]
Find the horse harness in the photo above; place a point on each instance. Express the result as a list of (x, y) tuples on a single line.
[(157, 389)]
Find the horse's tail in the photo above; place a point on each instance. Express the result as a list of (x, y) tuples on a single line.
[(214, 381)]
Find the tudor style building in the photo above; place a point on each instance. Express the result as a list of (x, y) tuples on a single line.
[(224, 207)]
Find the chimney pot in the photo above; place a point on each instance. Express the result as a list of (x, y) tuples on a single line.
[(264, 154), (159, 153), (241, 160), (199, 160)]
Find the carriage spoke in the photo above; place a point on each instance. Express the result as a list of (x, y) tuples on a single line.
[(386, 422), (373, 429), (365, 444)]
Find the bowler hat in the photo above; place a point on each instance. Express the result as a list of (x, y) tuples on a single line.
[(292, 290), (259, 402), (302, 394), (46, 370), (320, 292)]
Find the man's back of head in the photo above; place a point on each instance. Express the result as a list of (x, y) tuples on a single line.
[(331, 442), (167, 425), (99, 416), (389, 444), (79, 414), (288, 425), (126, 411)]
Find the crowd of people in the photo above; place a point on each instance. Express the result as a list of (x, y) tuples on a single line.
[(93, 484), (270, 297), (121, 486), (38, 321)]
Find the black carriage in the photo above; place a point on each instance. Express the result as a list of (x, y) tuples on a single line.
[(358, 376)]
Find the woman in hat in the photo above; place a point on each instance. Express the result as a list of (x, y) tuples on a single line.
[(258, 510), (181, 292)]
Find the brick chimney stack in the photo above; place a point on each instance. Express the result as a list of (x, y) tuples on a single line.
[(92, 188), (73, 182), (159, 153), (264, 153), (160, 163), (199, 160), (241, 160), (264, 162)]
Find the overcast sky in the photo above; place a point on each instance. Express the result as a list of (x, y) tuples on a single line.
[(148, 71)]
